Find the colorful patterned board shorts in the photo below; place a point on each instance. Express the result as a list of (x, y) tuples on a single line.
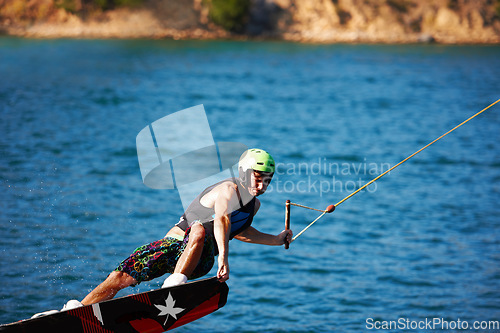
[(157, 258)]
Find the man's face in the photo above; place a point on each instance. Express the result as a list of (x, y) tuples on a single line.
[(259, 182)]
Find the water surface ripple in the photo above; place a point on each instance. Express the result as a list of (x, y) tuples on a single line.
[(422, 243)]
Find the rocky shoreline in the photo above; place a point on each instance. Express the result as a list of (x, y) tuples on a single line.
[(309, 21)]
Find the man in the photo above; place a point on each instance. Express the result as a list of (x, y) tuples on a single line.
[(221, 212)]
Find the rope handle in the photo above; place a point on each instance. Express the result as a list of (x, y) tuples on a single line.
[(287, 221)]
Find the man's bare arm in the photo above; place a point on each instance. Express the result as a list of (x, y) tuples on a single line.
[(252, 235), (222, 229)]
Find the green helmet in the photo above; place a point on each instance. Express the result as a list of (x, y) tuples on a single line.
[(256, 159)]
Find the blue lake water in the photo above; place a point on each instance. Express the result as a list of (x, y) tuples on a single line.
[(421, 243)]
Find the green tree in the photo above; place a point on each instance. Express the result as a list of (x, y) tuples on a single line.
[(232, 15)]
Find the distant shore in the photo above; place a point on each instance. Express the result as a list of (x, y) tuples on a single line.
[(307, 21), (116, 30)]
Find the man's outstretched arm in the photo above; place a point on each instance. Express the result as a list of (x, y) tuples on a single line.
[(252, 235)]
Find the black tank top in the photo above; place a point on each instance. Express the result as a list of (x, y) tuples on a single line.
[(241, 216)]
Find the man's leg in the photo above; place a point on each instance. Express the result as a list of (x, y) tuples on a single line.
[(115, 282), (189, 258), (192, 253)]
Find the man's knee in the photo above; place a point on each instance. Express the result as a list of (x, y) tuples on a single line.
[(120, 279), (197, 233)]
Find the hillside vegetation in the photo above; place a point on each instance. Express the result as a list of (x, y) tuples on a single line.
[(324, 21)]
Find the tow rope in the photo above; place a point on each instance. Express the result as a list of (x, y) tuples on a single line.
[(331, 208)]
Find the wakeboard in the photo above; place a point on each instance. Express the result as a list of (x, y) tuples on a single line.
[(153, 311)]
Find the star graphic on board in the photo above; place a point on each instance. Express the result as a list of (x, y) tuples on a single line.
[(168, 309)]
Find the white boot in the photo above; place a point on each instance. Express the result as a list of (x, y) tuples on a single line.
[(46, 313), (72, 304), (175, 280)]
